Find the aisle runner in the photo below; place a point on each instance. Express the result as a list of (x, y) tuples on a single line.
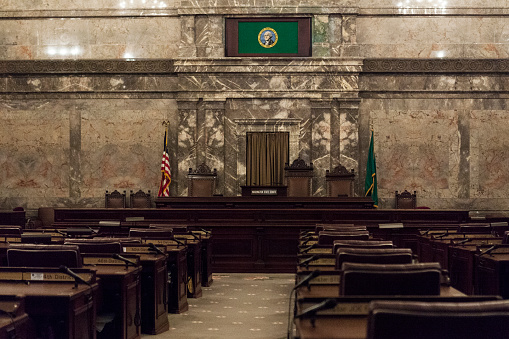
[(236, 306)]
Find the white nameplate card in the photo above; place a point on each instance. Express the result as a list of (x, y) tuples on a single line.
[(53, 276), (391, 225)]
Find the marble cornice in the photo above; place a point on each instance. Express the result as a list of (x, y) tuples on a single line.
[(267, 12), (152, 66), (436, 66), (433, 11), (88, 13)]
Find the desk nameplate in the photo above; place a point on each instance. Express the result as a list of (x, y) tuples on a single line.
[(323, 280), (102, 261), (10, 239), (164, 242), (320, 251), (53, 276), (270, 191)]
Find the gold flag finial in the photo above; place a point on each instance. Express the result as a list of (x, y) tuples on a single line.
[(166, 123)]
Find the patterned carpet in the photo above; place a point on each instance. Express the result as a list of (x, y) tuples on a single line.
[(247, 306)]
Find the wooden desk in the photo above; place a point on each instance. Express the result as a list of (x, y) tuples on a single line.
[(154, 304), (59, 308), (14, 321), (177, 273), (492, 271), (121, 297), (348, 320), (461, 263)]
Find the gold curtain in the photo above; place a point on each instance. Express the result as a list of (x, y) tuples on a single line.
[(267, 154)]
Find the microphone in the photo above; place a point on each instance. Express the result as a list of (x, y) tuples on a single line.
[(309, 248), (62, 233), (308, 260), (307, 279), (154, 248), (310, 312), (77, 278), (127, 261), (179, 242)]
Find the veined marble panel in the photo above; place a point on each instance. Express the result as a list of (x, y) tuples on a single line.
[(433, 37), (489, 153), (121, 144), (64, 5), (417, 150), (432, 3), (251, 85), (34, 156), (89, 38)]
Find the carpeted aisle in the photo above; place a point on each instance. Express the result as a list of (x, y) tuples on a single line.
[(236, 306)]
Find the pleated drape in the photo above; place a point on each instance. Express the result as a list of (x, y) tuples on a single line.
[(267, 154)]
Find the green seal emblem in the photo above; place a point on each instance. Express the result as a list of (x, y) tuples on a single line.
[(267, 37)]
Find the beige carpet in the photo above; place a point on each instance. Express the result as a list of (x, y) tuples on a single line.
[(236, 306)]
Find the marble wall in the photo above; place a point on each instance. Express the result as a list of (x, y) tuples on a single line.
[(85, 87)]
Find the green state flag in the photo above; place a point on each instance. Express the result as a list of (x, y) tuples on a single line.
[(268, 37), (370, 186)]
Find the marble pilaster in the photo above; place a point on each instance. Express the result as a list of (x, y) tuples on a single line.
[(187, 141), (212, 131), (321, 112), (187, 48)]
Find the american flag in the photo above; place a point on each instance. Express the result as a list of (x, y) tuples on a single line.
[(164, 188)]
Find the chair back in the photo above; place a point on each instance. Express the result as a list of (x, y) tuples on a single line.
[(374, 256), (30, 255), (140, 199), (115, 199), (397, 279), (337, 244), (327, 238), (406, 200), (451, 320)]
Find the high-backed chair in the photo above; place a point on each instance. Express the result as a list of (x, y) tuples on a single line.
[(201, 182), (451, 320), (397, 279), (340, 182), (406, 200), (115, 199), (30, 255), (140, 199), (374, 256), (298, 178)]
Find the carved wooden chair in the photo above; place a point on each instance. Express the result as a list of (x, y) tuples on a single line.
[(340, 182), (298, 177), (140, 199), (115, 199), (406, 200), (202, 181)]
